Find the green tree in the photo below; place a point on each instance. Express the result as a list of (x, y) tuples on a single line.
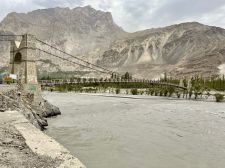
[(219, 97), (127, 76)]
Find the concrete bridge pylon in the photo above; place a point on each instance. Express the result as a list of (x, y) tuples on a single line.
[(23, 64)]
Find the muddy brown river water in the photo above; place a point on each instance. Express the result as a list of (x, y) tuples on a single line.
[(139, 132)]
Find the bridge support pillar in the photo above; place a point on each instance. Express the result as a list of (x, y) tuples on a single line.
[(23, 64)]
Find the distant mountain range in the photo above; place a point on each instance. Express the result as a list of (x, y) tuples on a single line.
[(183, 49)]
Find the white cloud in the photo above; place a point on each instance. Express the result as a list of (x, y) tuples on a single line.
[(134, 15)]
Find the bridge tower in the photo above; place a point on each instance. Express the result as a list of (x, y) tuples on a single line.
[(23, 64)]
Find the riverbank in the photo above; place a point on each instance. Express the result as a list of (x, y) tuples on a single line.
[(22, 143), (144, 94)]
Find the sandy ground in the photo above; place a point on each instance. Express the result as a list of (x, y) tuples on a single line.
[(15, 153)]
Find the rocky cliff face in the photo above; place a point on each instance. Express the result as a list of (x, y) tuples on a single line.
[(184, 49), (81, 31)]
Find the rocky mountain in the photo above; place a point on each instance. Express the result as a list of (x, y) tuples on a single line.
[(185, 49), (81, 31)]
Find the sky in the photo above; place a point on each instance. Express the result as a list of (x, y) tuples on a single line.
[(134, 15)]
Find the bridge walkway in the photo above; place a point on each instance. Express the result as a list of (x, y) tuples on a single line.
[(90, 81)]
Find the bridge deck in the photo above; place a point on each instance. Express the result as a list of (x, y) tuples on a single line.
[(65, 81)]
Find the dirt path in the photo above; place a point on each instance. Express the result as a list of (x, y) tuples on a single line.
[(15, 153)]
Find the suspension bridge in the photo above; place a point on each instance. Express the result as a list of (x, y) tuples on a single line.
[(26, 50)]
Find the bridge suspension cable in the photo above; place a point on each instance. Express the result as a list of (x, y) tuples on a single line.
[(65, 59), (102, 69), (11, 37)]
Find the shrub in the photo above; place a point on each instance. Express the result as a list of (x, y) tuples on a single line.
[(171, 91), (178, 94), (61, 88), (134, 91), (117, 91), (190, 94), (161, 93), (219, 97), (70, 88), (165, 92), (152, 92)]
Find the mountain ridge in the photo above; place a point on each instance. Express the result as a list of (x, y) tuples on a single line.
[(173, 46), (82, 31), (183, 49)]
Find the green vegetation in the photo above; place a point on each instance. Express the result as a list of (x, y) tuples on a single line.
[(197, 86), (219, 97), (117, 91), (134, 91), (171, 91)]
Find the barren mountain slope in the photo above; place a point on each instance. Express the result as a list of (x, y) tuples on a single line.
[(184, 49), (81, 31)]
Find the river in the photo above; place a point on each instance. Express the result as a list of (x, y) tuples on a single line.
[(139, 132)]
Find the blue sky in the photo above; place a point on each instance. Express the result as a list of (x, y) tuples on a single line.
[(135, 15)]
